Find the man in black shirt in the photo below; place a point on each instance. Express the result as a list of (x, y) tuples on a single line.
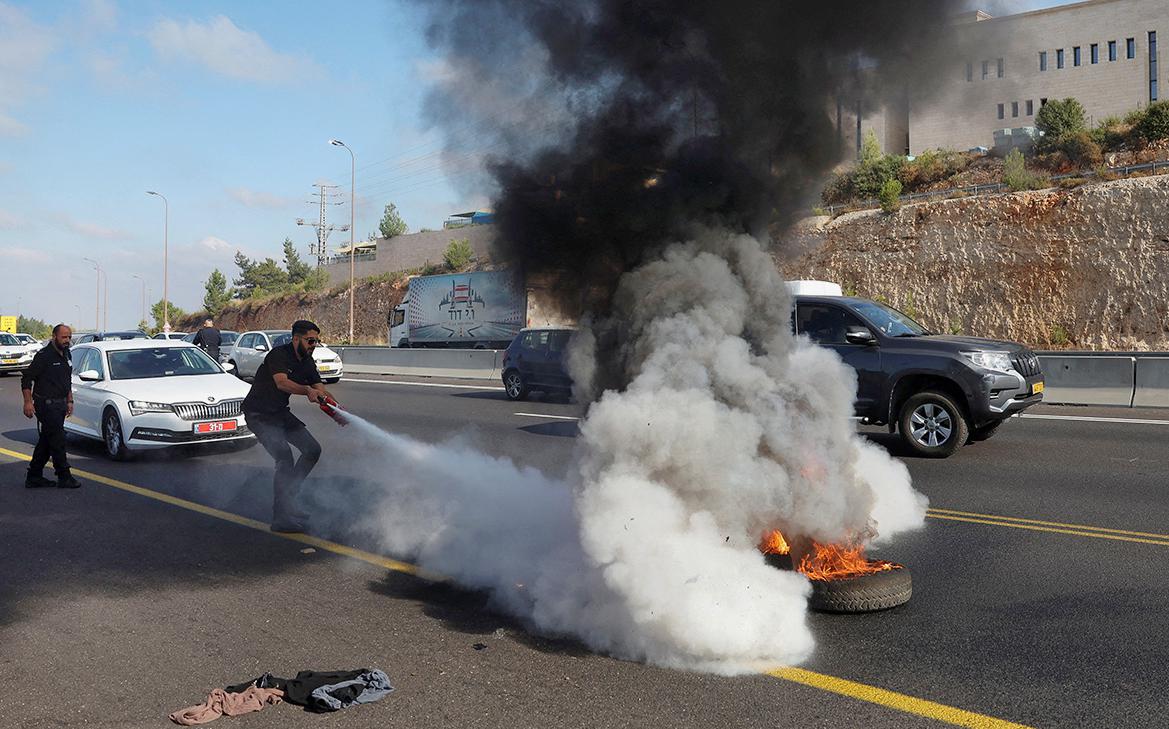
[(208, 338), (47, 386), (287, 370)]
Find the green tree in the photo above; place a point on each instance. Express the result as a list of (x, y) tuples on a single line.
[(144, 326), (258, 278), (890, 196), (870, 148), (174, 313), (217, 294), (458, 254), (1154, 123), (1060, 116), (297, 269), (1016, 175), (392, 223), (37, 328)]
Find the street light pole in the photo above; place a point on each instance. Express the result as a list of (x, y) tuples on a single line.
[(105, 308), (165, 245), (143, 294), (97, 296), (352, 207)]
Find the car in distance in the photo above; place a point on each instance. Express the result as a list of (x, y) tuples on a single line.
[(141, 394), (937, 391), (534, 361), (170, 335), (250, 349), (28, 341), (15, 356), (226, 340)]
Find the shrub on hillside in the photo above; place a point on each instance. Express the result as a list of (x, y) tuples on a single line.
[(1110, 134), (930, 167), (1154, 123), (871, 175), (890, 196), (1059, 117), (458, 254), (1017, 176), (1080, 149), (838, 190)]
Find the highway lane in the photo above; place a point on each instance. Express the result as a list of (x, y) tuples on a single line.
[(1031, 626)]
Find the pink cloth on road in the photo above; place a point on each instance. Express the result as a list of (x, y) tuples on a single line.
[(220, 703)]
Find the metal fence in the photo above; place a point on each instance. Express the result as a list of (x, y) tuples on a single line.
[(1155, 167)]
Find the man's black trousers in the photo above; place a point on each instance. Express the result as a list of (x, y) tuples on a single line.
[(276, 432), (51, 442)]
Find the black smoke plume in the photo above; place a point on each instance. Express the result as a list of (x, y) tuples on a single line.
[(615, 126)]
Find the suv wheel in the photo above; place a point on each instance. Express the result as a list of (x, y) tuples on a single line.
[(932, 424), (111, 432), (514, 385)]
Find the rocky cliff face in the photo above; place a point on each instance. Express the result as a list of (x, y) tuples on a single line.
[(1086, 268)]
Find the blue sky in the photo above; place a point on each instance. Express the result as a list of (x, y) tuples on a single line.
[(224, 107)]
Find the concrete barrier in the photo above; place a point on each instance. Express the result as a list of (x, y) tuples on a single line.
[(1151, 383), (1088, 380), (475, 364)]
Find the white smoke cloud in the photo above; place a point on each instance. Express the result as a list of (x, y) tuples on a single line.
[(730, 427)]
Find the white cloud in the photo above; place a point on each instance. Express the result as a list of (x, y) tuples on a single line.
[(212, 243), (221, 46), (18, 254), (24, 46), (257, 199), (93, 230)]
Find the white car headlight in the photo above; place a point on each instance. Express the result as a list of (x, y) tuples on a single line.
[(990, 359), (140, 407)]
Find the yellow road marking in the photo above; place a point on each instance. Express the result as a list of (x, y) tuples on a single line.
[(1092, 532), (1088, 527), (893, 700), (369, 557), (851, 689)]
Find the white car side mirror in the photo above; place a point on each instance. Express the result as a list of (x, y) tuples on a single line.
[(90, 376), (261, 347), (227, 366)]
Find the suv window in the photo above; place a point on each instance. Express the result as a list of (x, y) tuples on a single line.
[(824, 323), (558, 341), (247, 341)]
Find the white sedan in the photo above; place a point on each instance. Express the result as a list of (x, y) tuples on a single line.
[(15, 356), (139, 394), (250, 349)]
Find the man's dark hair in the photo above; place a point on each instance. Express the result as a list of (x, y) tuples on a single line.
[(59, 327), (304, 326)]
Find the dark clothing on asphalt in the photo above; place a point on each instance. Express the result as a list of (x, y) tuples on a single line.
[(265, 397), (208, 338), (49, 375), (300, 690), (50, 378), (367, 688)]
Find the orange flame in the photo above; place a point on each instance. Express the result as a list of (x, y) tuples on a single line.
[(828, 561)]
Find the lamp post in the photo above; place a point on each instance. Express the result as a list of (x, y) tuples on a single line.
[(97, 296), (352, 206), (143, 294), (78, 307), (165, 235)]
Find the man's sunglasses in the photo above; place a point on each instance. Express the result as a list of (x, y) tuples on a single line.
[(312, 341)]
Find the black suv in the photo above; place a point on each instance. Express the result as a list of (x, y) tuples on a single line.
[(940, 392), (533, 361)]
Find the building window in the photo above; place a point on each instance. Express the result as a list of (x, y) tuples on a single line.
[(1076, 56), (1152, 66), (1095, 52), (969, 72), (1002, 113), (1030, 107), (1111, 50), (1042, 103), (1000, 68), (985, 70), (1059, 58), (1042, 60), (1130, 47), (1014, 108)]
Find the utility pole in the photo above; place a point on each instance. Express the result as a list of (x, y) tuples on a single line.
[(324, 195)]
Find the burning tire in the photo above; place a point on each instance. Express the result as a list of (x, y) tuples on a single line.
[(863, 593)]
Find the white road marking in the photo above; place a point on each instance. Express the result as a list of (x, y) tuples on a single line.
[(423, 384), (1093, 419), (543, 415)]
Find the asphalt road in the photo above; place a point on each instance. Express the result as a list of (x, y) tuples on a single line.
[(117, 607)]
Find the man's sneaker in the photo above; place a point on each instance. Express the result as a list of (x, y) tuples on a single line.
[(289, 525), (68, 482), (37, 482)]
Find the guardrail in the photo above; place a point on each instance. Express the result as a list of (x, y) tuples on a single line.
[(1124, 379), (475, 364)]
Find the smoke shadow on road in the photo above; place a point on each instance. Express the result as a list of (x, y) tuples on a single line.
[(561, 429)]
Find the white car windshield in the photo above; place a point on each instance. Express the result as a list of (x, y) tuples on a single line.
[(136, 364), (8, 340)]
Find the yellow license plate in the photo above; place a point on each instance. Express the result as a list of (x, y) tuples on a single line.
[(1036, 388), (9, 361)]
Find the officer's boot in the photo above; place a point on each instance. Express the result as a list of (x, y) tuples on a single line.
[(286, 517)]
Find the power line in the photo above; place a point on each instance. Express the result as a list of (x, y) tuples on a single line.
[(324, 195)]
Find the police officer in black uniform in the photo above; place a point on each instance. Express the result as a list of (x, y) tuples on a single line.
[(287, 370), (208, 338), (47, 386)]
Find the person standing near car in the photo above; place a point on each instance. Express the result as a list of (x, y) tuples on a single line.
[(208, 338), (287, 370), (47, 386)]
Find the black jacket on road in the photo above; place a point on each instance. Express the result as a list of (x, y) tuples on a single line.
[(208, 338)]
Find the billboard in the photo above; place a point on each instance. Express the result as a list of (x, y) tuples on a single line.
[(8, 324), (466, 307)]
